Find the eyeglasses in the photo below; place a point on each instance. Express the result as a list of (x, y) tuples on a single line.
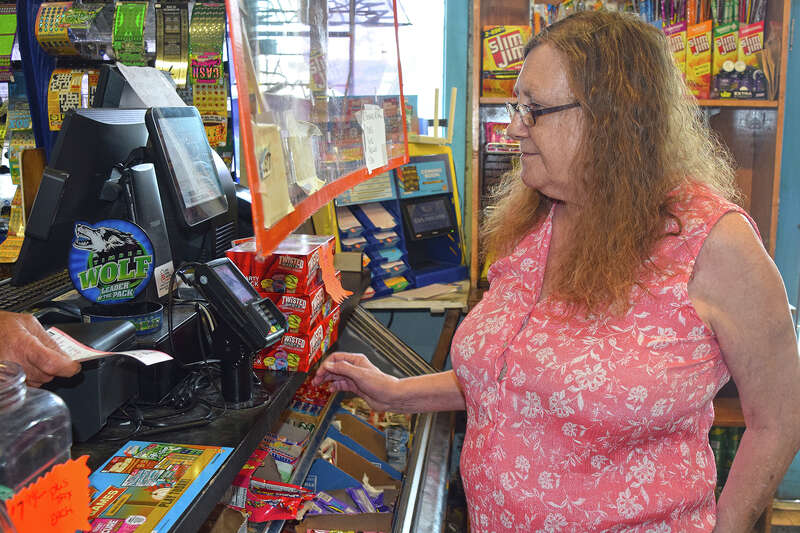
[(528, 114)]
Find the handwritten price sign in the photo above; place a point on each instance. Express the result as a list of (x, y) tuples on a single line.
[(57, 502), (373, 136)]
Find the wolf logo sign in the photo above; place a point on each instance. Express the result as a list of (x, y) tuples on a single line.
[(111, 261)]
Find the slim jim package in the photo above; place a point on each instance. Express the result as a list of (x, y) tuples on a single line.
[(676, 37), (503, 47), (726, 37), (698, 59), (751, 43)]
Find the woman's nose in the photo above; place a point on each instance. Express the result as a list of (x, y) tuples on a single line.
[(516, 129)]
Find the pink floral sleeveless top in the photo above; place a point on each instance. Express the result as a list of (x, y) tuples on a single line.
[(597, 424)]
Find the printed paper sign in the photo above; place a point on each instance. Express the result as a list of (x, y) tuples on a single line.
[(162, 276)]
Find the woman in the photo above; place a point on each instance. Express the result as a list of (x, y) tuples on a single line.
[(630, 288)]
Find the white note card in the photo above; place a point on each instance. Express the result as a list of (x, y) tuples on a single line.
[(379, 216), (346, 219), (80, 352), (373, 136)]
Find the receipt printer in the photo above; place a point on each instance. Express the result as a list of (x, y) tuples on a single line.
[(103, 384)]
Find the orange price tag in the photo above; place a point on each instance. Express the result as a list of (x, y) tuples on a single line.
[(57, 502), (332, 284)]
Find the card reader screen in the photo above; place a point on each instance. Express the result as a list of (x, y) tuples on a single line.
[(243, 292)]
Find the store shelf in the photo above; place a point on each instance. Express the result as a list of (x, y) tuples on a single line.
[(785, 513), (305, 460), (705, 102), (496, 100), (773, 104), (453, 299), (728, 412)]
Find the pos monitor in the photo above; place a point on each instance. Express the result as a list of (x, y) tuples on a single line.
[(196, 190), (90, 143)]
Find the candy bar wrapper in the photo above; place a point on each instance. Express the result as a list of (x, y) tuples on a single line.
[(751, 44), (316, 509), (676, 37), (359, 496), (332, 505), (377, 503), (273, 500), (698, 59), (236, 495)]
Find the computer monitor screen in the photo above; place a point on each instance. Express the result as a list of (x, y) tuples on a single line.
[(90, 143), (428, 216), (180, 148)]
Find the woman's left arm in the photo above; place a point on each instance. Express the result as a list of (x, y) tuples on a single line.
[(738, 292)]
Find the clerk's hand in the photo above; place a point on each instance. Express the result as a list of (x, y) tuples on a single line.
[(353, 372), (24, 341)]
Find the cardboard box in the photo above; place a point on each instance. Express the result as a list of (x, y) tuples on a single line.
[(296, 352), (503, 47), (303, 311), (367, 454), (331, 325), (295, 264), (698, 59), (378, 522), (365, 435), (348, 472), (223, 519)]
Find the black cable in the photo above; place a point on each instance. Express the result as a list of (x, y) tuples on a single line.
[(185, 394), (176, 272), (391, 319)]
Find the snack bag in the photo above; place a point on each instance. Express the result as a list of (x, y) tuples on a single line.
[(676, 37), (726, 38), (698, 59)]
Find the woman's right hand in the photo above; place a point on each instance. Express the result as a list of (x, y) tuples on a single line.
[(353, 372)]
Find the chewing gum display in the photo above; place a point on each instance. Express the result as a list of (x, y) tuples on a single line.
[(303, 311), (293, 273), (331, 325), (296, 352), (503, 48), (698, 59), (293, 268), (676, 37)]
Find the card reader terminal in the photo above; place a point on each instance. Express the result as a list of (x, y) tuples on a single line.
[(255, 320)]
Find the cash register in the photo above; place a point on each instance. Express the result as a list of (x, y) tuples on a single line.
[(153, 167)]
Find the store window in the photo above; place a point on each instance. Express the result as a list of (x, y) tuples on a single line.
[(422, 51)]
